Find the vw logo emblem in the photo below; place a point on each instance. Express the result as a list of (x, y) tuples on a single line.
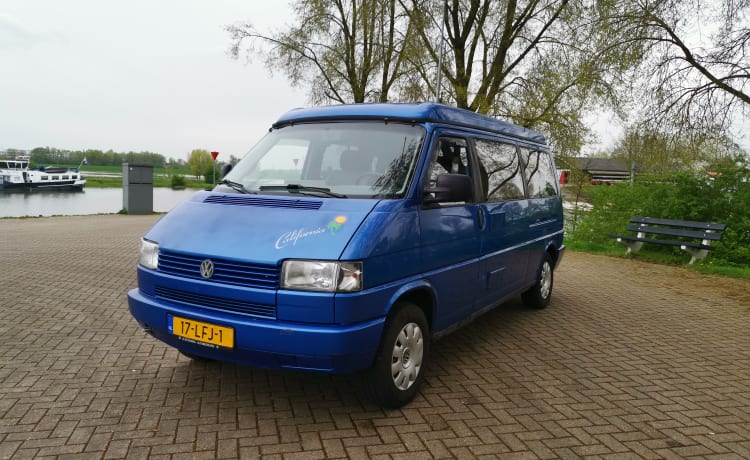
[(207, 268)]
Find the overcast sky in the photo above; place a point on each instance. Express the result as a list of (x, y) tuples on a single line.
[(142, 75), (136, 75)]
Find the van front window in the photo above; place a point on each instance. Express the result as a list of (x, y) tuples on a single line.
[(352, 159)]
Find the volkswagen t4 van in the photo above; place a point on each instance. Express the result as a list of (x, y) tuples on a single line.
[(352, 235)]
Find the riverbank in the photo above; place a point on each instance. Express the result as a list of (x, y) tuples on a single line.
[(112, 181)]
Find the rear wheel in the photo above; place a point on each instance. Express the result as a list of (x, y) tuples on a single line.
[(401, 359), (538, 295)]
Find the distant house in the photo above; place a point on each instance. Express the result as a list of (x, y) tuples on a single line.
[(598, 170)]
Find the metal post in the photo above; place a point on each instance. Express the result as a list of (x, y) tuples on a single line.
[(440, 58), (214, 155)]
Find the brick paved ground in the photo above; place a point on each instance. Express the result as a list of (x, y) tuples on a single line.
[(631, 360)]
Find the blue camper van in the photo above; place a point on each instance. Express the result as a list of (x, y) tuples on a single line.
[(352, 235)]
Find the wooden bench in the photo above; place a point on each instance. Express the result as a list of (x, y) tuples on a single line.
[(692, 237)]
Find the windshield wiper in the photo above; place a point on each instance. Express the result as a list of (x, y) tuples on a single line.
[(303, 189), (236, 186)]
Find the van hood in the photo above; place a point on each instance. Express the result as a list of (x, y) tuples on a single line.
[(260, 228)]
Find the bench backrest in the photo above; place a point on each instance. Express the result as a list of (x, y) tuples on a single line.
[(679, 223), (683, 228), (708, 235)]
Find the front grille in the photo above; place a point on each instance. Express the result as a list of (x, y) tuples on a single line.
[(215, 303), (225, 271)]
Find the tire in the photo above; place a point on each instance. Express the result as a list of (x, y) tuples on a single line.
[(538, 295), (401, 360)]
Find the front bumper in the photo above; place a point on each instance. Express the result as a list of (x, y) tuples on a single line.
[(267, 343)]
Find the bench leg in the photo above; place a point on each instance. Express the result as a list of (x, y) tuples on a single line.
[(697, 254), (633, 246)]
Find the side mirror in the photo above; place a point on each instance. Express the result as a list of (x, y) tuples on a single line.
[(449, 188), (225, 169)]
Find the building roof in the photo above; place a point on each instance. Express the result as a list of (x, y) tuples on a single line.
[(601, 164)]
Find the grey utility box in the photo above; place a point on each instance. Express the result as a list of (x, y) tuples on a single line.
[(137, 188)]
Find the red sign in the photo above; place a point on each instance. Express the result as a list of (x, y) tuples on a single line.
[(214, 155)]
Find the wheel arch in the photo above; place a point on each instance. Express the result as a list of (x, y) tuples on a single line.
[(422, 294), (553, 251)]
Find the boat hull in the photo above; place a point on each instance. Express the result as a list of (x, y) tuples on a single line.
[(16, 175), (75, 185)]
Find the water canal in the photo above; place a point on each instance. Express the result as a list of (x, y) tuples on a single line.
[(89, 201)]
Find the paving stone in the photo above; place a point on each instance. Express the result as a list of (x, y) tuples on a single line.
[(631, 360)]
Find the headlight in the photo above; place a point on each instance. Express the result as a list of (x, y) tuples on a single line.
[(148, 256), (315, 275)]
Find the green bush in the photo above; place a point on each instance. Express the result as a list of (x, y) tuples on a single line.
[(722, 196), (178, 181), (211, 174)]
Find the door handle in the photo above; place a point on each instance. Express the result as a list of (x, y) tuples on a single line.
[(480, 218)]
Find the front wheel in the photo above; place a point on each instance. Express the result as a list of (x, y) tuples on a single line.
[(401, 359), (538, 295)]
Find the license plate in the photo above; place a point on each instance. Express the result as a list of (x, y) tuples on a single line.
[(201, 332)]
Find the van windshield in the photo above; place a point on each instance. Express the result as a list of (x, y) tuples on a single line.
[(357, 159)]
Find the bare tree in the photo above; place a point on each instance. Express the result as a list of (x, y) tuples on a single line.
[(656, 152), (487, 41), (540, 63), (346, 50), (696, 68)]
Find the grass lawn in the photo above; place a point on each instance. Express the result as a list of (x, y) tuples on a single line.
[(159, 181), (118, 170), (162, 177), (707, 265)]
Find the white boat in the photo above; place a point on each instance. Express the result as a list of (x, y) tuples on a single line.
[(15, 174)]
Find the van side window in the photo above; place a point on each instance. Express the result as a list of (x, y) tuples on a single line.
[(540, 173), (500, 171), (450, 157)]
